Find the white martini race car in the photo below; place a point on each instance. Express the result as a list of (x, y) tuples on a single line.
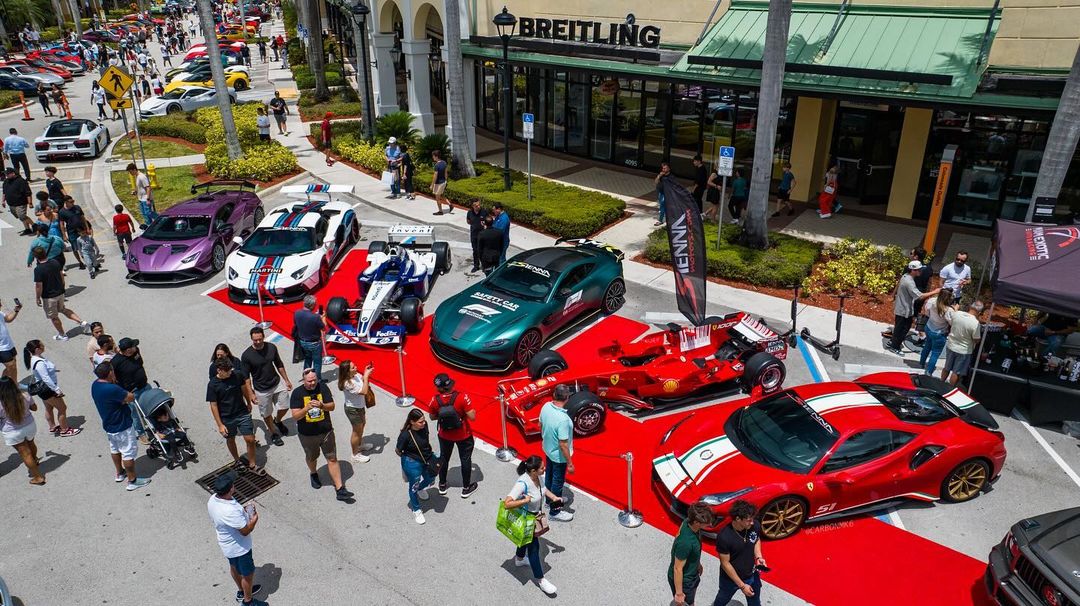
[(294, 248), (393, 287)]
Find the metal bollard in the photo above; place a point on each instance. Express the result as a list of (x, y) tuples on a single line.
[(506, 453), (404, 400), (630, 517)]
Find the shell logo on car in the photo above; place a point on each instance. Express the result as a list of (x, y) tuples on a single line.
[(671, 385)]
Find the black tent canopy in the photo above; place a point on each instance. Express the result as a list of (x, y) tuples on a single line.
[(1037, 267)]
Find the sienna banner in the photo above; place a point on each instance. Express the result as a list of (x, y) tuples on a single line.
[(686, 237)]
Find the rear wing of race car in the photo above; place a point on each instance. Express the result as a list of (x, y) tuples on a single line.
[(305, 192), (411, 235), (596, 244), (241, 184)]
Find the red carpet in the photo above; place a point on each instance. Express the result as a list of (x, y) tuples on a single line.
[(851, 561)]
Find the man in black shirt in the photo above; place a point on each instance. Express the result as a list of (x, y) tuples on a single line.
[(18, 197), (269, 382), (701, 180), (311, 403), (54, 187), (128, 365), (230, 402), (72, 219), (475, 218), (739, 548), (49, 291), (489, 244)]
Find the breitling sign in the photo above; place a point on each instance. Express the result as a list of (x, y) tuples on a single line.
[(627, 33)]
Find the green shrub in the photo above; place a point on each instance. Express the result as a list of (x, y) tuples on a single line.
[(306, 80), (788, 260), (244, 114), (343, 93), (8, 98), (295, 49), (262, 161), (289, 16), (851, 264), (177, 125), (396, 124), (430, 143)]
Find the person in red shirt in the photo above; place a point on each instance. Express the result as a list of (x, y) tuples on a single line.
[(327, 133), (122, 227), (453, 410)]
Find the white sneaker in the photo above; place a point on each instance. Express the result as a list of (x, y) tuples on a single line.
[(422, 494), (120, 477), (521, 562), (825, 215), (562, 516), (59, 337), (86, 327), (418, 516), (546, 586), (359, 458)]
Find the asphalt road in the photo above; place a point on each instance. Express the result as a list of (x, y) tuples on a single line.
[(82, 539)]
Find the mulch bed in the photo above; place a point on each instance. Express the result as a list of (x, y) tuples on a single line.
[(201, 175)]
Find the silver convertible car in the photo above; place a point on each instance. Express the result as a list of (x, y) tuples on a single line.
[(181, 99)]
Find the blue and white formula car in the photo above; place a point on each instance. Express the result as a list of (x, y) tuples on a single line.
[(393, 287)]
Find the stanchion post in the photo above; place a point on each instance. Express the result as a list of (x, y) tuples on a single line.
[(404, 400), (630, 517), (263, 323), (505, 454)]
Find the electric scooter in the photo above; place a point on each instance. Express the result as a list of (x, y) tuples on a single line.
[(792, 334), (832, 348)]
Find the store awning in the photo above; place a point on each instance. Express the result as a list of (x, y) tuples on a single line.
[(863, 50)]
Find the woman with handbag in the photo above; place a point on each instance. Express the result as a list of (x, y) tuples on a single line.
[(528, 492), (419, 464), (44, 384), (827, 197), (18, 427), (358, 397)]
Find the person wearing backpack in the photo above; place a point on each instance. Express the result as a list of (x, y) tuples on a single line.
[(529, 492), (453, 410)]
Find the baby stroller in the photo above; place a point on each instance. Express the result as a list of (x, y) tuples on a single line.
[(167, 437)]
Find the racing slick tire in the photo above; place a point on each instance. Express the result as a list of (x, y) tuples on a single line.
[(587, 413), (337, 310), (782, 517), (614, 296), (966, 481), (376, 246), (443, 262), (412, 314), (217, 258), (546, 362), (765, 370)]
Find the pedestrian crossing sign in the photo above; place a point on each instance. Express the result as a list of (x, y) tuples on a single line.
[(116, 81)]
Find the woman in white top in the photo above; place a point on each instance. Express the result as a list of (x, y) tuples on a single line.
[(18, 427), (938, 313), (356, 389), (529, 492), (43, 371)]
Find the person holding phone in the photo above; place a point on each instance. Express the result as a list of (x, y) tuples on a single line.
[(7, 344), (234, 524), (739, 548), (356, 390)]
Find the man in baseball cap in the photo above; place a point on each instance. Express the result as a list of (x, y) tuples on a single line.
[(907, 293), (393, 163), (453, 410)]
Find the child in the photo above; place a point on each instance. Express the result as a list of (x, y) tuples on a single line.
[(783, 192), (122, 227), (88, 248)]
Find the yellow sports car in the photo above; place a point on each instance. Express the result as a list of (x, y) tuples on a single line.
[(238, 80)]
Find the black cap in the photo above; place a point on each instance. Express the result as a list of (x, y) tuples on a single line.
[(127, 343), (11, 169), (443, 381), (224, 482)]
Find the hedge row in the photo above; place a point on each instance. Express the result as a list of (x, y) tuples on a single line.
[(787, 262), (177, 125), (262, 161)]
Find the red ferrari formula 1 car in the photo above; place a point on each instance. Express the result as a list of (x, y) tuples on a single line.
[(828, 449), (676, 366)]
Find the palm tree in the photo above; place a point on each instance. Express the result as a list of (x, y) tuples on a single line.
[(77, 17), (774, 55), (232, 139), (25, 11), (315, 54), (1061, 143), (459, 143)]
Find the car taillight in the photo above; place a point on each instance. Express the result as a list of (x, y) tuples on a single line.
[(82, 143), (1012, 546), (41, 145)]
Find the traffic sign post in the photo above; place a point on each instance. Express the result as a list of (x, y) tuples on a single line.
[(725, 166), (527, 133), (116, 81), (121, 104)]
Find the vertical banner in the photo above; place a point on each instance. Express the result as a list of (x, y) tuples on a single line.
[(686, 239), (941, 189)]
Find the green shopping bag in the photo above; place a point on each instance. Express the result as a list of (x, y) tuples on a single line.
[(515, 524)]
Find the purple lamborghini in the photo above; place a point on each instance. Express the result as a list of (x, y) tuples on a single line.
[(191, 239)]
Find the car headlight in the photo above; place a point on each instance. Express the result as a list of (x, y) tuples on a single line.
[(723, 497), (232, 274), (298, 274), (190, 258), (496, 343)]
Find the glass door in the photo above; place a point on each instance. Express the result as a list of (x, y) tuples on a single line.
[(556, 133), (866, 144), (602, 123), (628, 122), (578, 105), (656, 114)]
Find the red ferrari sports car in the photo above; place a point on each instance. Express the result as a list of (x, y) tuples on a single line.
[(676, 366), (827, 449)]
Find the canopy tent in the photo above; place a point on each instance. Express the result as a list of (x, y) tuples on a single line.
[(1037, 267)]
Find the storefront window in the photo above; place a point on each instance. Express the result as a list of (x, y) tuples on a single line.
[(685, 127), (537, 87), (489, 97), (603, 102), (628, 124), (556, 135), (578, 104)]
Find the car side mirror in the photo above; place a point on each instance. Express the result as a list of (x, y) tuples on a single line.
[(563, 293), (841, 479), (238, 240)]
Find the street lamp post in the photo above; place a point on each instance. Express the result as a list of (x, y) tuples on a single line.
[(360, 12), (506, 23)]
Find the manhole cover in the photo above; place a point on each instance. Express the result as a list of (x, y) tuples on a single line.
[(248, 485)]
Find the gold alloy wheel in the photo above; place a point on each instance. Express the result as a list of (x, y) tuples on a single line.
[(966, 481), (782, 518)]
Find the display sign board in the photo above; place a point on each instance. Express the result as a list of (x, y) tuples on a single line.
[(725, 165), (941, 188), (1044, 210), (116, 81), (527, 126), (124, 103)]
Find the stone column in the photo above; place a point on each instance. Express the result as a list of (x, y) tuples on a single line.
[(419, 84), (909, 162), (385, 80), (810, 145)]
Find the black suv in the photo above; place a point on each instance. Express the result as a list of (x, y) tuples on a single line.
[(1038, 562)]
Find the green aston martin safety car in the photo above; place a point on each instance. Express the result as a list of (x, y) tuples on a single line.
[(502, 321)]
